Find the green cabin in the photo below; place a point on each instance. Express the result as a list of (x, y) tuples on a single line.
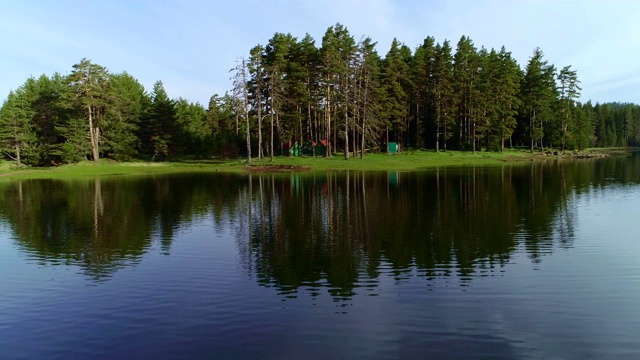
[(295, 149), (315, 149)]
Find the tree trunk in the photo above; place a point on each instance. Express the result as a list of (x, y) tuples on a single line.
[(417, 144), (444, 140), (346, 136), (565, 127), (532, 115), (541, 144), (18, 163), (309, 127), (438, 120), (328, 121), (362, 145), (387, 140), (271, 133), (364, 120), (259, 98), (354, 138), (334, 132), (248, 140), (246, 109), (472, 134), (93, 135)]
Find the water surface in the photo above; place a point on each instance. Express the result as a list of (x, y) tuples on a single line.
[(534, 261)]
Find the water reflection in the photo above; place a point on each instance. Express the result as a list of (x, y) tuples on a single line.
[(333, 232), (102, 225), (341, 230)]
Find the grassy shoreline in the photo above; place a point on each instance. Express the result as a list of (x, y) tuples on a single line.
[(405, 161)]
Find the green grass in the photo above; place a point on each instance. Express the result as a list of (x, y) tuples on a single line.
[(408, 160)]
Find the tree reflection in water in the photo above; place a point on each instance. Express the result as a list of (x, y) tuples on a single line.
[(324, 232)]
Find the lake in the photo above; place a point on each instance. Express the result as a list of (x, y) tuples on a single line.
[(534, 260)]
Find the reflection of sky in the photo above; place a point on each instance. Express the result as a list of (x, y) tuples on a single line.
[(578, 302), (586, 293), (19, 267)]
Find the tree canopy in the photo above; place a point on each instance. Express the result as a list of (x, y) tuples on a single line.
[(292, 96)]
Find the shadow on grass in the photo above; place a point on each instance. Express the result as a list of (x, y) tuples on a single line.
[(192, 160)]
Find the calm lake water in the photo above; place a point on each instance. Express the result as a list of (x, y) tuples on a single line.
[(540, 260)]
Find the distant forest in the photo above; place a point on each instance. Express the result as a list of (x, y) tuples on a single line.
[(341, 94)]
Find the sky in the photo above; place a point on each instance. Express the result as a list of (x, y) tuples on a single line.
[(190, 45)]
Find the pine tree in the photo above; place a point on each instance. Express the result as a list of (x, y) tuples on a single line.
[(569, 92), (240, 83), (442, 78), (346, 73), (16, 126), (88, 85), (308, 63), (159, 123), (52, 110), (368, 108), (336, 62), (277, 63), (465, 73), (127, 102), (424, 60), (395, 72), (222, 127), (584, 127), (192, 129), (506, 93), (257, 88), (538, 94)]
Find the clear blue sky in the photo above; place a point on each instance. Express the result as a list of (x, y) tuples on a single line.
[(191, 44)]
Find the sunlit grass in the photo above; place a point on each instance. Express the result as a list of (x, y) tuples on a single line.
[(407, 160)]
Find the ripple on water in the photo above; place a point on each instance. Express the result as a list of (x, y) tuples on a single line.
[(211, 286)]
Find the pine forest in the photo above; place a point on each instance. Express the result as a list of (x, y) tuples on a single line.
[(339, 97)]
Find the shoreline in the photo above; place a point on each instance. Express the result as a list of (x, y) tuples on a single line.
[(413, 160)]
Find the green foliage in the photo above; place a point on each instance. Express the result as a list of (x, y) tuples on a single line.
[(396, 85), (88, 90), (52, 109), (538, 95), (75, 147), (616, 124), (17, 134), (370, 117), (466, 65), (127, 102), (340, 93), (191, 120), (444, 100), (569, 91), (424, 105), (508, 80), (159, 124)]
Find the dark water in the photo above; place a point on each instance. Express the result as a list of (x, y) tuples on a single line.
[(534, 261)]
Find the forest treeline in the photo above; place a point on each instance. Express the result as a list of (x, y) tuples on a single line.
[(341, 94)]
